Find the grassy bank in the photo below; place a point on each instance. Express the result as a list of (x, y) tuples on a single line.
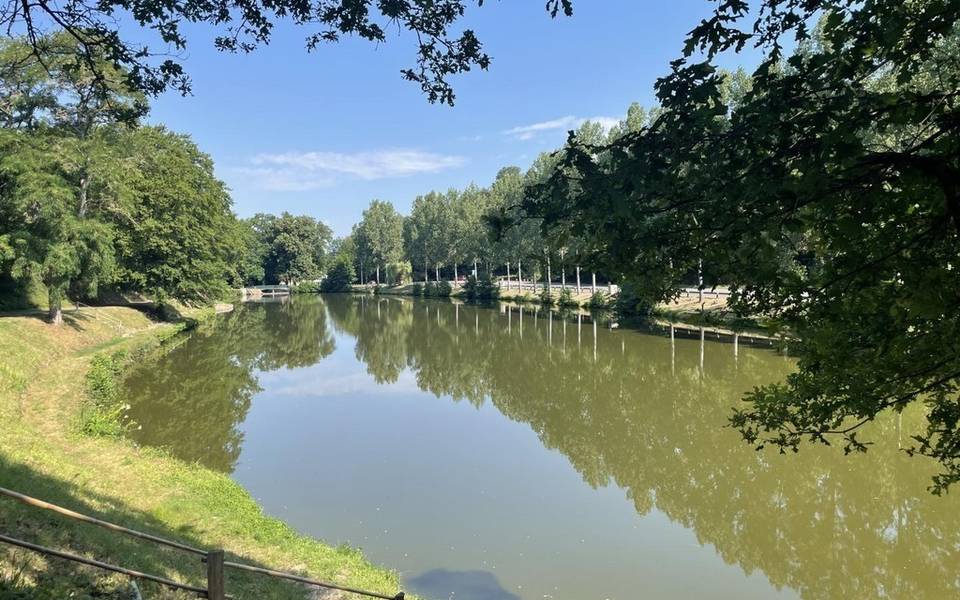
[(43, 392)]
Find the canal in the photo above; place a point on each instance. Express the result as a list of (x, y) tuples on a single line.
[(500, 454)]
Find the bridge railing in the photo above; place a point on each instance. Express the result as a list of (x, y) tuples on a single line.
[(214, 559)]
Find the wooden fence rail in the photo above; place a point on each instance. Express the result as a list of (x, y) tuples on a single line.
[(214, 559)]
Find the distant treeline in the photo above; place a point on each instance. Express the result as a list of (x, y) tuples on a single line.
[(476, 230)]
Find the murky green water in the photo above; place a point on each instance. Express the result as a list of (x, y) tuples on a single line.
[(490, 454)]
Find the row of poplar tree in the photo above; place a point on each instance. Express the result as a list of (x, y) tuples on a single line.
[(476, 230)]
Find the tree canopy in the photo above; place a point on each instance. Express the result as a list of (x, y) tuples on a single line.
[(443, 48), (89, 197)]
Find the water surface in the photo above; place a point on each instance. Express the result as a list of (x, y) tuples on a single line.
[(494, 454)]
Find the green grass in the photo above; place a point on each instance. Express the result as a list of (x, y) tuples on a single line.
[(43, 387)]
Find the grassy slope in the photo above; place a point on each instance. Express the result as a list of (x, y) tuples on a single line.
[(41, 386)]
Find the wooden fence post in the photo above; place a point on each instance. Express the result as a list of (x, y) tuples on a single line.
[(215, 580)]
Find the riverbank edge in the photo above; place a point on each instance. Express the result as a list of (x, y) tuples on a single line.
[(505, 296), (723, 326), (42, 454)]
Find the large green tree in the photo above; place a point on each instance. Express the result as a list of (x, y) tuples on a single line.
[(297, 247), (42, 231), (180, 237), (826, 192), (426, 232), (381, 234)]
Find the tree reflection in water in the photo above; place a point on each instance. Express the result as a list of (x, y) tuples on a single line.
[(191, 398)]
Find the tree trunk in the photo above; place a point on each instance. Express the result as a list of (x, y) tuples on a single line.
[(593, 287), (84, 186), (436, 275), (549, 276), (563, 277), (454, 273), (378, 274), (55, 299), (508, 276), (700, 282), (578, 279), (519, 277)]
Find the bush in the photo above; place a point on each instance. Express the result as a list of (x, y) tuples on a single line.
[(444, 289), (546, 296), (338, 279), (489, 290), (481, 289), (103, 412), (306, 287), (429, 289), (633, 302), (598, 300), (566, 299), (400, 272), (417, 289)]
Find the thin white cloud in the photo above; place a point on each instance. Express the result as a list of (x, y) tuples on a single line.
[(528, 132), (379, 164), (273, 179)]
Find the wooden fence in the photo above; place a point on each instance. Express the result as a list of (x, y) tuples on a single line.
[(214, 559)]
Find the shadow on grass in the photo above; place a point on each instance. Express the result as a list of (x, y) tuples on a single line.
[(25, 574)]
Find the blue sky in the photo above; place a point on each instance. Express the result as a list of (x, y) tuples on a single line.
[(324, 133)]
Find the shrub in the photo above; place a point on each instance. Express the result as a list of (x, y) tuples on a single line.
[(444, 289), (566, 299), (546, 296), (399, 272), (429, 289), (489, 290), (598, 300), (633, 300), (338, 279), (103, 412), (471, 288), (481, 289), (306, 287), (417, 289)]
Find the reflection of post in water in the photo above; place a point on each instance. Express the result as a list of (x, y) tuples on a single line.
[(456, 315), (379, 302), (579, 327), (594, 319), (673, 352), (736, 348), (702, 344), (476, 323), (509, 320), (550, 328), (521, 322), (438, 315), (564, 348)]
